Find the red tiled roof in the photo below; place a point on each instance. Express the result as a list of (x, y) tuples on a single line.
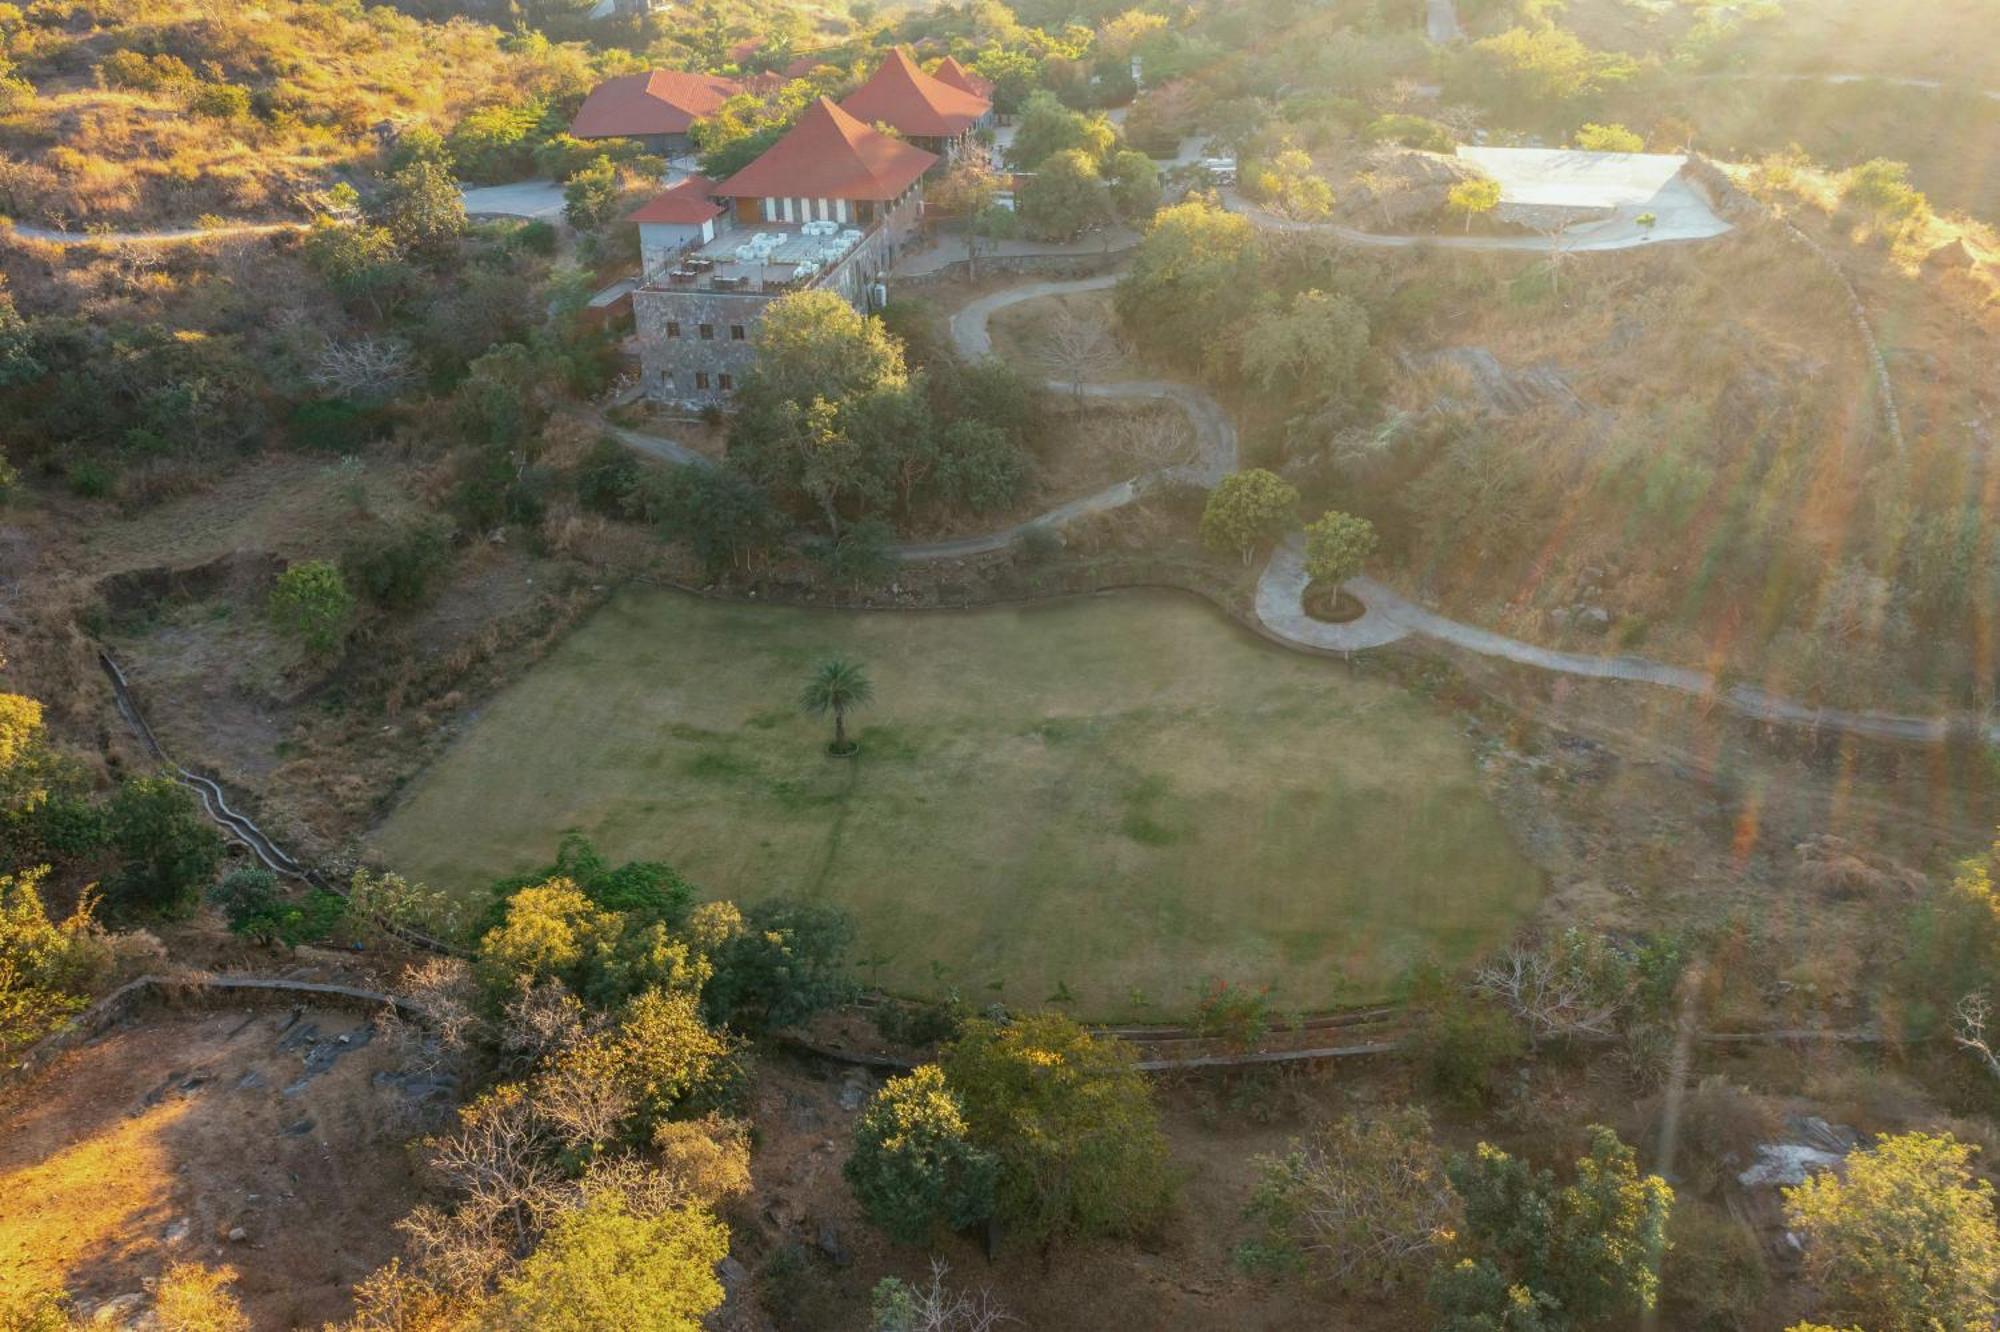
[(685, 203), (906, 99), (954, 75), (805, 65), (830, 155), (663, 101)]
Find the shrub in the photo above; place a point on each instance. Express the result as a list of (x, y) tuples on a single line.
[(193, 1298), (1248, 511), (311, 603), (1460, 1042), (334, 425), (1412, 132), (393, 567), (168, 849), (608, 478), (46, 969), (1609, 139), (591, 195), (219, 101), (1882, 188), (90, 479), (132, 69), (915, 1169), (1363, 1202), (536, 237), (256, 907), (1713, 1272), (1579, 1254)]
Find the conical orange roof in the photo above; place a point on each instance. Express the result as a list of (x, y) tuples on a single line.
[(909, 101), (831, 155)]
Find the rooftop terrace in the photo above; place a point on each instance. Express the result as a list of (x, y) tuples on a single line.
[(769, 258)]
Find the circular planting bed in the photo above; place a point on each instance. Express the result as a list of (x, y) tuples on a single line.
[(1327, 603)]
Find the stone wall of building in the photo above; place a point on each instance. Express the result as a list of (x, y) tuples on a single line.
[(672, 367)]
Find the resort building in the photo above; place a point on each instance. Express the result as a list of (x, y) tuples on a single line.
[(927, 111), (656, 108), (829, 207)]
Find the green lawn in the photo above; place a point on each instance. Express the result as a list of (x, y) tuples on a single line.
[(1123, 795)]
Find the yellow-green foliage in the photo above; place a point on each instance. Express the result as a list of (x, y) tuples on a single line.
[(601, 1266), (193, 1298), (1905, 1240), (46, 969)]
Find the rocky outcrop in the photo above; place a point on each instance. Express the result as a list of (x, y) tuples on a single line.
[(1397, 187)]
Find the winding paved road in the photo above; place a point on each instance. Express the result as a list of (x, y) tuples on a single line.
[(1390, 616)]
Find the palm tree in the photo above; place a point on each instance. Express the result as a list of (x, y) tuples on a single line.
[(836, 686)]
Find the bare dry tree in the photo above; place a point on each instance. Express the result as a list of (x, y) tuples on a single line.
[(539, 1020), (581, 1099), (1149, 442), (1557, 235), (938, 1308), (500, 1164), (1968, 1029), (363, 367), (1552, 999), (1078, 348)]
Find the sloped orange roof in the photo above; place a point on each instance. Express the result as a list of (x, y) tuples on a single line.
[(906, 99), (954, 75), (685, 202), (830, 155), (662, 101)]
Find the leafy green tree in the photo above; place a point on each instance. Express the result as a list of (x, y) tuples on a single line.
[(1316, 347), (914, 1169), (361, 264), (979, 467), (1473, 198), (1013, 73), (641, 891), (1135, 185), (1071, 1123), (490, 144), (776, 964), (1047, 127), (835, 686), (1537, 1254), (1540, 74), (592, 194), (1904, 1239), (602, 1266), (168, 849), (1063, 198), (312, 604), (553, 931), (1337, 545), (1594, 138), (422, 210), (1193, 279), (1248, 511), (813, 345), (722, 514), (17, 345)]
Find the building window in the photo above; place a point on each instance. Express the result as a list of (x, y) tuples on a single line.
[(673, 328), (725, 383), (736, 332), (708, 332), (701, 379)]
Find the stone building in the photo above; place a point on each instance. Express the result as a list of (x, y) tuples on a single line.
[(828, 207)]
